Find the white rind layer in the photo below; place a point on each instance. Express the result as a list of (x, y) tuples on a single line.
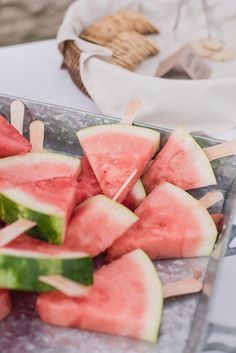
[(27, 200), (138, 192), (152, 318), (119, 212), (48, 157), (152, 135), (40, 255), (200, 160)]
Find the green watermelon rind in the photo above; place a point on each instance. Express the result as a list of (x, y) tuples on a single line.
[(50, 228), (19, 269), (118, 128), (153, 315)]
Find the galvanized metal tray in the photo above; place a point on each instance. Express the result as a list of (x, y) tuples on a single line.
[(185, 320)]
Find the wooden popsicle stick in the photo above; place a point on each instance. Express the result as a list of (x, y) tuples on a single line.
[(12, 231), (74, 289), (17, 110), (37, 135), (131, 110), (211, 198), (224, 149), (128, 180), (185, 286), (65, 285)]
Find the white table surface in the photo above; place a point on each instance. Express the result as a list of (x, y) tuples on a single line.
[(33, 71)]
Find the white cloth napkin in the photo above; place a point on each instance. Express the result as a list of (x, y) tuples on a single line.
[(199, 105)]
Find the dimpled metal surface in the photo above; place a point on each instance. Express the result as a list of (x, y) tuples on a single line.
[(22, 331)]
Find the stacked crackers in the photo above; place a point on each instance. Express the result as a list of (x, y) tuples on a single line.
[(124, 33)]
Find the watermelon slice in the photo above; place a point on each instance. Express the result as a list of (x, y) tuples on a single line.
[(126, 300), (49, 203), (88, 185), (172, 224), (11, 141), (5, 304), (181, 162), (97, 223), (115, 151), (37, 166), (136, 195), (20, 269)]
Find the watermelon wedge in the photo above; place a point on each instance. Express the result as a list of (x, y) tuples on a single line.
[(49, 203), (126, 300), (5, 304), (88, 186), (181, 162), (11, 141), (20, 269), (37, 166), (115, 151), (97, 223), (172, 224), (136, 195)]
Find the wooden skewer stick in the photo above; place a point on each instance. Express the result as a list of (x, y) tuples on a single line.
[(211, 198), (12, 231), (17, 110), (224, 149), (128, 180), (74, 289), (65, 285), (37, 135), (185, 286), (131, 110)]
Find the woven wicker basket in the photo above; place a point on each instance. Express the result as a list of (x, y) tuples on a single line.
[(129, 47), (71, 61)]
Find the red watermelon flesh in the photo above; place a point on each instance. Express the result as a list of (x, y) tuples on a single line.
[(11, 141), (181, 162), (172, 224), (27, 243), (56, 192), (218, 218), (5, 304), (88, 186), (97, 223), (125, 300), (115, 151), (37, 166)]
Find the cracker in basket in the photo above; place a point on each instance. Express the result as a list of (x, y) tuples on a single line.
[(138, 22), (130, 49), (107, 28), (104, 30)]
